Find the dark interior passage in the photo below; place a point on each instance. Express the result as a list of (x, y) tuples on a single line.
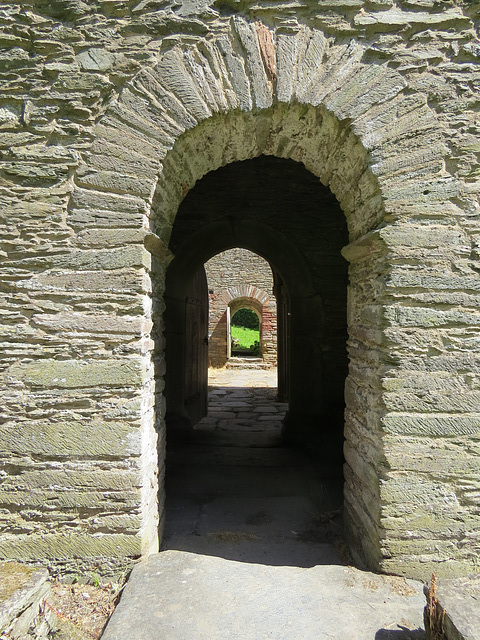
[(279, 210), (236, 487), (234, 491)]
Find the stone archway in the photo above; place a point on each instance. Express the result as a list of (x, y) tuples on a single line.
[(324, 141), (250, 305), (377, 145), (238, 98), (239, 298), (232, 274)]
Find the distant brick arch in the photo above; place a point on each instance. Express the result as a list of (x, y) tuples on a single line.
[(237, 278), (246, 291), (244, 297)]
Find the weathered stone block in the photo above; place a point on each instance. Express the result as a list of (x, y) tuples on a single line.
[(124, 281), (456, 458), (396, 17), (86, 199), (433, 425), (112, 181), (60, 547), (94, 439), (171, 72), (259, 82), (95, 59), (72, 322), (79, 374), (427, 317)]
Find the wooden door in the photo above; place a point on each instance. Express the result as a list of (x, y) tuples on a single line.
[(196, 348), (283, 333)]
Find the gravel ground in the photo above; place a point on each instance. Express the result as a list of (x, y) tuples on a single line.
[(82, 610)]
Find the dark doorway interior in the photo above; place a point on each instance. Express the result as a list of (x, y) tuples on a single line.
[(235, 491), (279, 210), (196, 347)]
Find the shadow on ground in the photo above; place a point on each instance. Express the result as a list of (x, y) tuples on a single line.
[(237, 493), (400, 634)]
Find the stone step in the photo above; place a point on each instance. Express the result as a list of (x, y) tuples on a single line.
[(247, 363), (178, 594)]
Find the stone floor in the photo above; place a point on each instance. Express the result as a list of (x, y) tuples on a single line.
[(253, 545), (236, 492)]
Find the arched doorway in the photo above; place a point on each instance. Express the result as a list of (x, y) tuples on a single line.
[(321, 103), (246, 314), (316, 134), (297, 225), (233, 276)]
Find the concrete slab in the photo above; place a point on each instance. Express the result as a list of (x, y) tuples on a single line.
[(178, 596)]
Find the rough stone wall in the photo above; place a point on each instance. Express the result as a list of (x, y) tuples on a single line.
[(227, 274), (85, 144)]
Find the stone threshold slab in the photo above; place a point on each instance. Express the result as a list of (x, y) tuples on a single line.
[(177, 595)]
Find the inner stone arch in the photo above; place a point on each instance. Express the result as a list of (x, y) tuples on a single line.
[(328, 152), (312, 136), (295, 223), (234, 275)]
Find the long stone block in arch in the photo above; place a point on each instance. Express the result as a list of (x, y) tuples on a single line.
[(357, 126)]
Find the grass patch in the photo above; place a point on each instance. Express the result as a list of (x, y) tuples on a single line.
[(244, 338)]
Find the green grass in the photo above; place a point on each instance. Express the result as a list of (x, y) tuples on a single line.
[(246, 337)]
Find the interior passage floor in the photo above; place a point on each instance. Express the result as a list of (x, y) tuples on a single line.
[(237, 493)]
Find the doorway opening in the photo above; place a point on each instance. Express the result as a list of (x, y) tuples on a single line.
[(241, 279), (232, 473), (245, 331)]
